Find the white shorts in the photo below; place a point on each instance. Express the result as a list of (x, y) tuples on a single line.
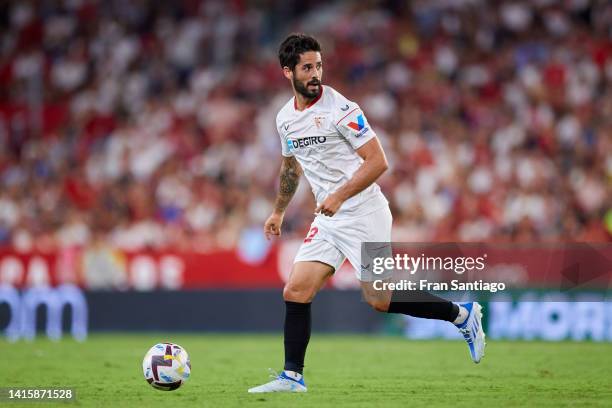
[(332, 241)]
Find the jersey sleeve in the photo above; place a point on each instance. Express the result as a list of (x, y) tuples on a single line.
[(285, 148), (352, 124)]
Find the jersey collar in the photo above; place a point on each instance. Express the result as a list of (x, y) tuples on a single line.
[(315, 100)]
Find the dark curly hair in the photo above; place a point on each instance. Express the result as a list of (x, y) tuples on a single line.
[(294, 45)]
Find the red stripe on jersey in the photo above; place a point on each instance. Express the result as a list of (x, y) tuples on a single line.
[(346, 116)]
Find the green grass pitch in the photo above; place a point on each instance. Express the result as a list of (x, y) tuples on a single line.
[(356, 371)]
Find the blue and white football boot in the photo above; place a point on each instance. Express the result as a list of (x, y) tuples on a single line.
[(472, 330), (281, 383)]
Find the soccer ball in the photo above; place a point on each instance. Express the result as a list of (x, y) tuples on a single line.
[(166, 366)]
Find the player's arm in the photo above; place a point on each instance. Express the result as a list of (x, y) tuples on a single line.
[(373, 166), (290, 173)]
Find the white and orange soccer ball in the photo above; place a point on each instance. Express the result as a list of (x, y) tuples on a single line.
[(166, 366)]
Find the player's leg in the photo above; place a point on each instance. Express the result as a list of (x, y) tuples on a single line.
[(305, 281), (315, 262), (467, 317), (376, 228), (413, 303)]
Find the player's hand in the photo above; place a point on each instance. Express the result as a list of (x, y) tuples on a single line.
[(330, 205), (272, 227)]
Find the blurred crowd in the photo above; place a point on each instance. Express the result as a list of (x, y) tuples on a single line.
[(151, 123)]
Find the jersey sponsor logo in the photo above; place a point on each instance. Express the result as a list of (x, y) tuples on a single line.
[(294, 144), (360, 126), (345, 108)]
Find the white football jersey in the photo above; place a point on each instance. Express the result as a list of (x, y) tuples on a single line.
[(323, 138)]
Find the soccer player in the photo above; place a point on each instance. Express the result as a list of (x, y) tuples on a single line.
[(327, 137)]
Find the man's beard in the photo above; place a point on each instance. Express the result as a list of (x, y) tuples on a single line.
[(303, 89)]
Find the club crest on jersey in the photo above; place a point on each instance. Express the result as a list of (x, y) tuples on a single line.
[(318, 121), (360, 126), (294, 144)]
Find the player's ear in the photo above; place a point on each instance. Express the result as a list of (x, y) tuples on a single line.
[(288, 73)]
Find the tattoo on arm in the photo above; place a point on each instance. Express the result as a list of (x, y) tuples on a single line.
[(289, 179)]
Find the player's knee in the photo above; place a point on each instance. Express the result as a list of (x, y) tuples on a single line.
[(294, 293), (378, 304), (378, 300)]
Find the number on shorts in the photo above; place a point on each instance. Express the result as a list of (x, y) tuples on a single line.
[(313, 231)]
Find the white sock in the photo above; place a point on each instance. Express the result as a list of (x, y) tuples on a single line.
[(463, 314), (294, 375)]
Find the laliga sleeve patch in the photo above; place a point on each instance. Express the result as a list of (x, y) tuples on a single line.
[(354, 124), (359, 125)]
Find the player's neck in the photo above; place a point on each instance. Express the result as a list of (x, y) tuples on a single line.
[(302, 102)]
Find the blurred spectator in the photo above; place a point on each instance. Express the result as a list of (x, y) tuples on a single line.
[(151, 124)]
